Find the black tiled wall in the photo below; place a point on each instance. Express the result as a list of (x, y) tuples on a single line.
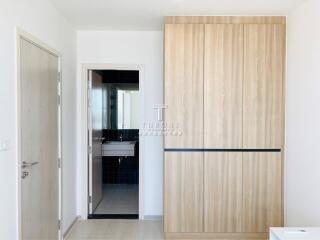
[(127, 134)]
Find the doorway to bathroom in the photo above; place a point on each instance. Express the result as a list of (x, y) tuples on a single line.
[(114, 164)]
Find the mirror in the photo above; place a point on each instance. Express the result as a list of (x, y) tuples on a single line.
[(120, 106)]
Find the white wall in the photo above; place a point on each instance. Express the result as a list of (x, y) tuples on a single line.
[(302, 161), (135, 47), (42, 20)]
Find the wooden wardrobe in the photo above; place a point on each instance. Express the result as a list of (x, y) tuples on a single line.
[(224, 92)]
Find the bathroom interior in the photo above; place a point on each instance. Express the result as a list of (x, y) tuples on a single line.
[(120, 145)]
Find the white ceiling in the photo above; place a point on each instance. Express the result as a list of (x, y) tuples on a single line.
[(148, 14)]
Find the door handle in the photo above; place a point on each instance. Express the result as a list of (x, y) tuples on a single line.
[(27, 164)]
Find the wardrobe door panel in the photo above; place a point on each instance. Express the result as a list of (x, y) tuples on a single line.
[(222, 192), (183, 192), (262, 191), (223, 77), (184, 85), (264, 54)]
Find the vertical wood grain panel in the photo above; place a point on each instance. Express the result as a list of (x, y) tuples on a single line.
[(183, 193), (223, 77), (222, 192), (39, 142), (263, 85), (262, 191), (184, 45)]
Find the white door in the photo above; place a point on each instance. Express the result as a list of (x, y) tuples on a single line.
[(95, 140), (39, 142)]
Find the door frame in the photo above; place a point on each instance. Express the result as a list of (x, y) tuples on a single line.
[(21, 34), (83, 111)]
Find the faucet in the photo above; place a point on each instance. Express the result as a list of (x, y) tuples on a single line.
[(121, 137)]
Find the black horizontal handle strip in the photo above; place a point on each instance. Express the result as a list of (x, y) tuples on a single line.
[(218, 150)]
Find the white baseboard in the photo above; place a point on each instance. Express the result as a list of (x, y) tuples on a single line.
[(153, 217), (70, 227)]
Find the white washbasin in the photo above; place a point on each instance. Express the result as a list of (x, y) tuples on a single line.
[(118, 149)]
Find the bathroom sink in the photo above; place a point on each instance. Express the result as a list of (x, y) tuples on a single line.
[(118, 148)]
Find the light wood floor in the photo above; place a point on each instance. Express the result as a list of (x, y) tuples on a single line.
[(116, 230)]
